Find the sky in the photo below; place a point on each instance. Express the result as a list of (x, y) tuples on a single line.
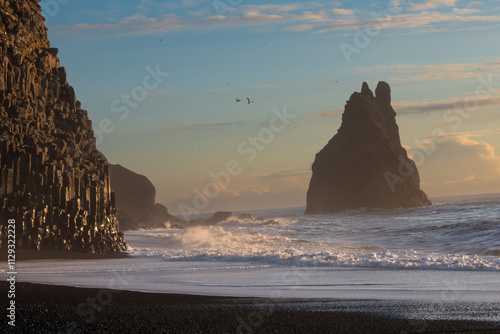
[(160, 81)]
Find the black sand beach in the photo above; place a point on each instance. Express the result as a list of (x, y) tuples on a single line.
[(58, 309), (44, 308)]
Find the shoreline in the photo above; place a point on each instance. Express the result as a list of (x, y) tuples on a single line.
[(63, 309)]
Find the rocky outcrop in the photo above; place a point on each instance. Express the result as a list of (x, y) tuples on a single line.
[(364, 164), (161, 217), (135, 201), (217, 217), (53, 181)]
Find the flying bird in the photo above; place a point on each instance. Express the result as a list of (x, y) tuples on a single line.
[(249, 102), (237, 100)]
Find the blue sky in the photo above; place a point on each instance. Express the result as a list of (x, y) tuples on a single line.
[(302, 59)]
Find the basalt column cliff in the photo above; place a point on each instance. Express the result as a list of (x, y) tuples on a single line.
[(53, 181), (364, 164)]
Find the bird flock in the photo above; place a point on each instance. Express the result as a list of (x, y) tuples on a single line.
[(239, 100)]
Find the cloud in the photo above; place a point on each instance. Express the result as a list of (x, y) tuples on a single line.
[(409, 107), (431, 4), (198, 126), (479, 99), (416, 73), (314, 17), (430, 30), (135, 25), (469, 134), (399, 21), (458, 164), (341, 11), (465, 11)]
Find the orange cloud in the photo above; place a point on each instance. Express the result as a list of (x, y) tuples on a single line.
[(458, 165)]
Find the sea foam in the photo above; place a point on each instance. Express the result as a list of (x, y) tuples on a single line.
[(215, 243)]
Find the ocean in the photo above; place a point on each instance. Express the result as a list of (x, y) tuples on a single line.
[(459, 236), (446, 252)]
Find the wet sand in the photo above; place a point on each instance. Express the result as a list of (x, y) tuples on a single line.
[(59, 309)]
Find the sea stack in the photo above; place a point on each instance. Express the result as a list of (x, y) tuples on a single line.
[(54, 183), (364, 164)]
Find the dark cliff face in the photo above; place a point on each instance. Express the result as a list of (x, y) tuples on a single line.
[(135, 201), (135, 194), (364, 164), (53, 181)]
